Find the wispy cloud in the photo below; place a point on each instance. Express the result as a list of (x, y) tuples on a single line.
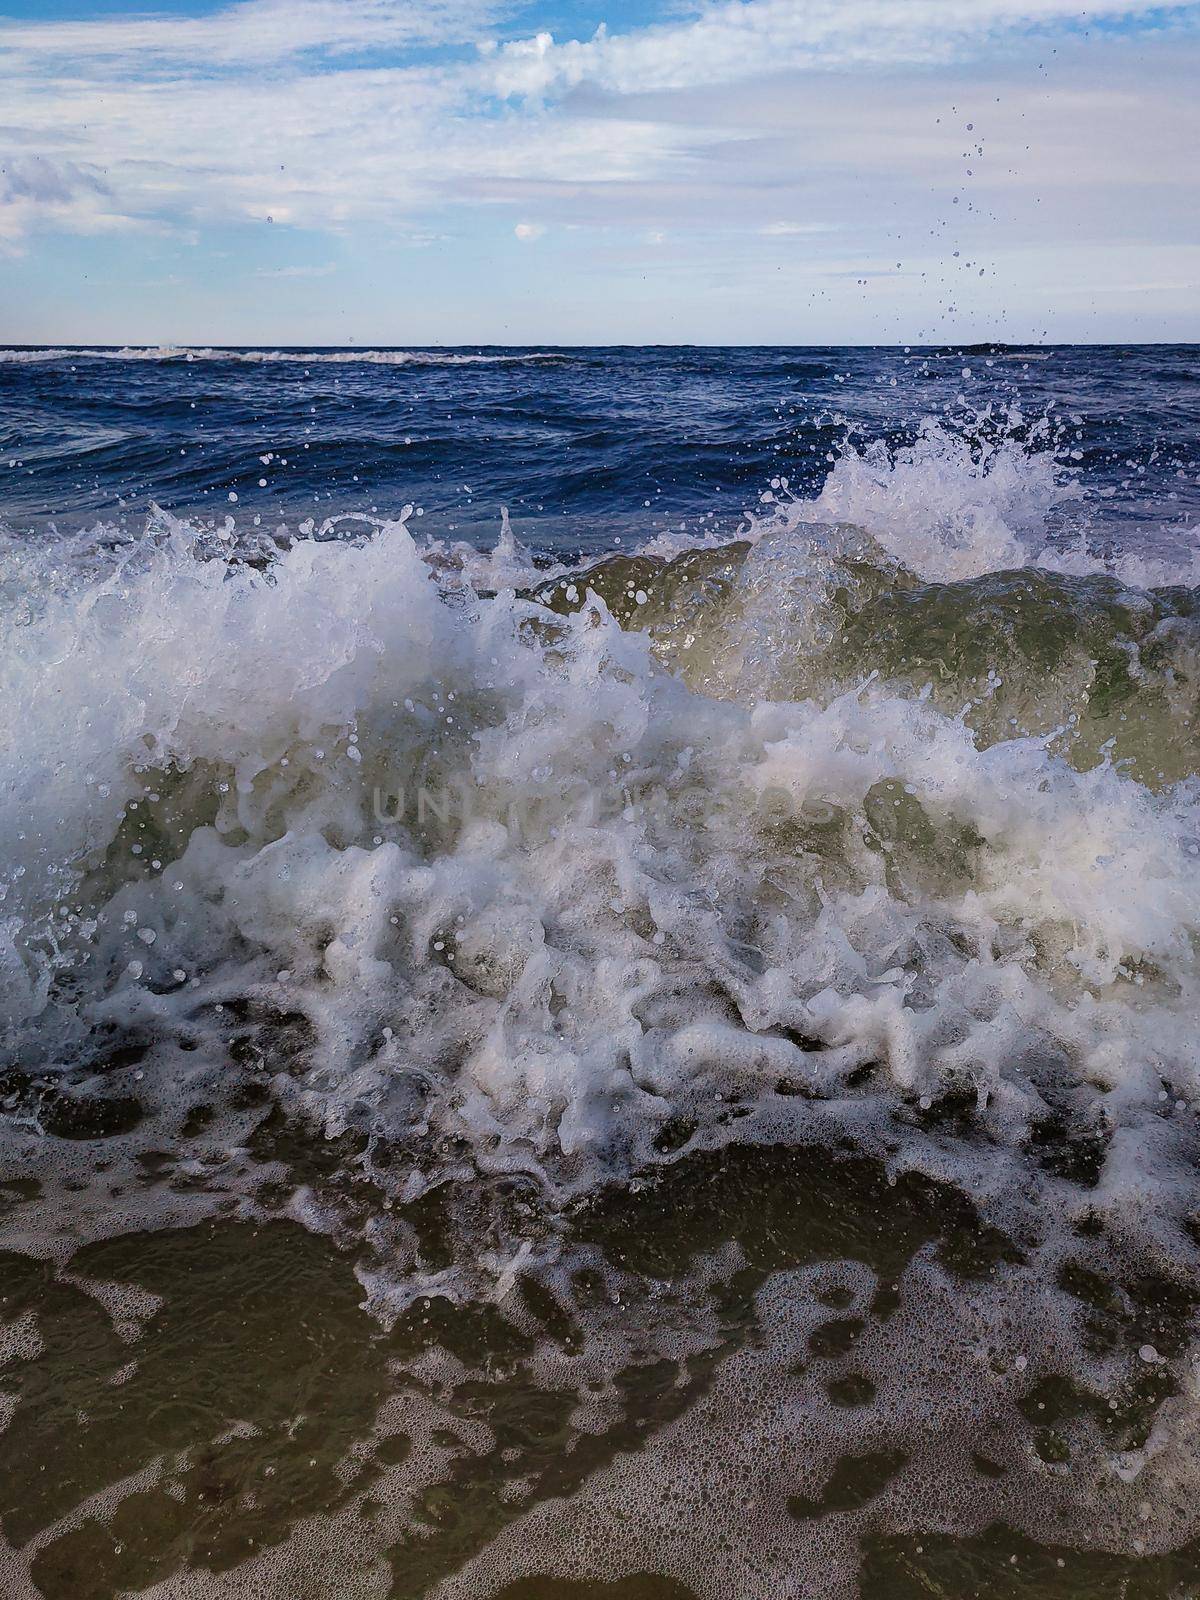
[(794, 230), (69, 194), (297, 272), (250, 33), (331, 142), (772, 126), (738, 40)]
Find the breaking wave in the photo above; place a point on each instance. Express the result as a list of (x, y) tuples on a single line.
[(863, 811), (450, 905), (306, 358)]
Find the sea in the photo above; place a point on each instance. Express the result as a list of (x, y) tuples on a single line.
[(600, 973)]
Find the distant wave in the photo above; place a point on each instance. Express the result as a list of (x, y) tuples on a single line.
[(307, 358)]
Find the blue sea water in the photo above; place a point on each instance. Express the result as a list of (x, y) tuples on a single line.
[(588, 448)]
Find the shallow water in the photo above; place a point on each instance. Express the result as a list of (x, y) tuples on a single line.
[(765, 1340), (650, 1052)]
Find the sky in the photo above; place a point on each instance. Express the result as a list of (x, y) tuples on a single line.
[(406, 172)]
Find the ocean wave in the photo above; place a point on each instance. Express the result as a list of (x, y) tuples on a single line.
[(540, 867), (306, 358)]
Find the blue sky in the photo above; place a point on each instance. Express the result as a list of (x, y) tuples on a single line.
[(461, 171)]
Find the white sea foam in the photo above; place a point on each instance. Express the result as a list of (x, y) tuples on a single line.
[(305, 358), (955, 504), (195, 753)]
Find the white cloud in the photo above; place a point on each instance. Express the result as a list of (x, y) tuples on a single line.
[(72, 195), (178, 115), (336, 148), (748, 118), (740, 40), (249, 33)]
